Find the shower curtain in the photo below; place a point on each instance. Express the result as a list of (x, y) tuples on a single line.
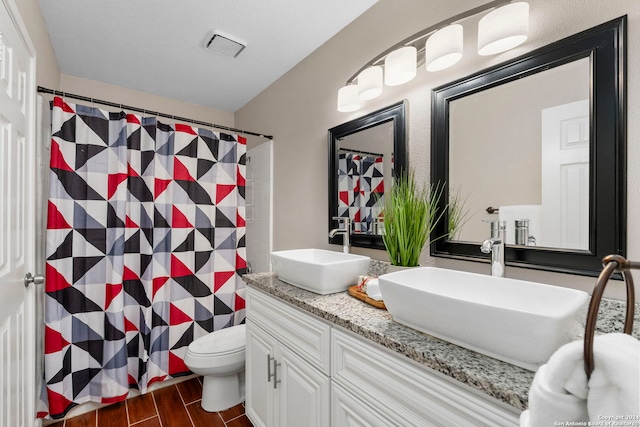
[(360, 189), (145, 250)]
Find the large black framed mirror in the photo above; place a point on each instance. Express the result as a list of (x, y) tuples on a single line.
[(541, 139), (365, 154)]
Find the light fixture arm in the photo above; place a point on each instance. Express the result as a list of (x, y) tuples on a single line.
[(420, 35)]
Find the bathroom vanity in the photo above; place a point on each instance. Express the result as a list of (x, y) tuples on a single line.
[(331, 360)]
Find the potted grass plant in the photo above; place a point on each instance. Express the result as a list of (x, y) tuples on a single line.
[(459, 213), (410, 214)]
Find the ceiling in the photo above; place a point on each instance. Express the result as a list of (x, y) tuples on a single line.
[(157, 46)]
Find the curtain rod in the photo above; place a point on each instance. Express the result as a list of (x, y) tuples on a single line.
[(153, 113), (360, 151)]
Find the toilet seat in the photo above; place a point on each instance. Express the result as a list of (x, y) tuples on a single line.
[(223, 342)]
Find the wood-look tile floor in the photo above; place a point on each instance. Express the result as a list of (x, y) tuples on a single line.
[(174, 406)]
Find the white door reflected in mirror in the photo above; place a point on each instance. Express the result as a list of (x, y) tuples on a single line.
[(565, 176)]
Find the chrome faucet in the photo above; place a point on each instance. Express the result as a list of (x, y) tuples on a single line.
[(345, 229), (495, 245)]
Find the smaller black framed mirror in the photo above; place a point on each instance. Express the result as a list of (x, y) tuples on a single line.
[(590, 187), (365, 154)]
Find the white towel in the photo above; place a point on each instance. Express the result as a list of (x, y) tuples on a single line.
[(373, 289), (560, 392)]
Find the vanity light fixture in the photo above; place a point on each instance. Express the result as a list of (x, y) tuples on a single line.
[(504, 27), (444, 48), (370, 83), (400, 66), (348, 99)]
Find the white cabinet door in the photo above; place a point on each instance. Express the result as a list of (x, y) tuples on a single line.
[(303, 392), (17, 203), (286, 383), (260, 405)]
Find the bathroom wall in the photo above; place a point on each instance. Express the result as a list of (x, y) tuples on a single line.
[(299, 108), (121, 95)]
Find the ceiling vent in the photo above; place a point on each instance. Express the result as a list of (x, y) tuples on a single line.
[(223, 44)]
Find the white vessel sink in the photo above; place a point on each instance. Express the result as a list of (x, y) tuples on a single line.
[(317, 270), (518, 322)]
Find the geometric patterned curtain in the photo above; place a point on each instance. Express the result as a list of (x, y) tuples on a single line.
[(360, 189), (145, 250)]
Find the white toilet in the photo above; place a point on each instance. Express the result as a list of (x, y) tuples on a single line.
[(219, 357)]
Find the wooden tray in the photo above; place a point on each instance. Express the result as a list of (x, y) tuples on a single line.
[(354, 292)]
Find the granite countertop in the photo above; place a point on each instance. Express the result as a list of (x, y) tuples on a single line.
[(503, 381)]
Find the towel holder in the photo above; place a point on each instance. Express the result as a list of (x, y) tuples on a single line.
[(611, 264)]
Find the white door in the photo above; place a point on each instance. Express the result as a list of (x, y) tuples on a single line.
[(17, 168), (565, 176)]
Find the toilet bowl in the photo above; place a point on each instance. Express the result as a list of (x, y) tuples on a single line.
[(220, 358)]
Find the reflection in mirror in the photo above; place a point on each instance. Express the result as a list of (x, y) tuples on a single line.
[(526, 156), (365, 167), (541, 141), (365, 154)]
